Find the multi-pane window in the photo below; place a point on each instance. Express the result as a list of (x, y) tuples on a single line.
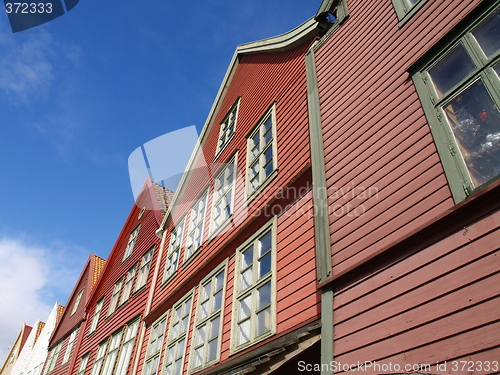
[(112, 353), (99, 358), (174, 250), (261, 153), (206, 340), (154, 347), (177, 336), (114, 297), (144, 267), (77, 301), (223, 195), (52, 359), (131, 243), (127, 288), (83, 364), (97, 314), (405, 8), (227, 128), (126, 349), (254, 303), (460, 89), (196, 220), (69, 347)]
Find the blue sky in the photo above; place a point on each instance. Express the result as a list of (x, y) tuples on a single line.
[(77, 96)]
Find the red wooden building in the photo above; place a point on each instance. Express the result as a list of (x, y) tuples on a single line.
[(68, 333), (116, 305), (404, 101)]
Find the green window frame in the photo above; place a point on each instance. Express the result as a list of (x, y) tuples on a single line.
[(254, 298), (227, 128), (127, 348), (127, 286), (174, 250), (207, 334), (459, 86), (113, 303), (69, 347), (144, 268), (131, 243), (52, 359), (99, 357), (77, 302), (177, 336), (223, 196), (262, 162), (112, 353), (405, 9), (83, 364), (154, 347)]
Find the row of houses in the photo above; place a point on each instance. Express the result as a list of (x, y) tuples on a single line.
[(339, 214)]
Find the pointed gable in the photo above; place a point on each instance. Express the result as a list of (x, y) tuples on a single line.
[(74, 314), (15, 350)]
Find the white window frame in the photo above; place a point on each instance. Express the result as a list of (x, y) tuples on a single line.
[(156, 337), (144, 268), (174, 250), (221, 191), (131, 243), (99, 357), (69, 347), (83, 364), (112, 353), (252, 160), (194, 237), (128, 284), (97, 314), (175, 350), (252, 290), (52, 359), (115, 297), (77, 301), (127, 348), (204, 320), (227, 129)]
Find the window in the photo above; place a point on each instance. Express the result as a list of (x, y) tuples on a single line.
[(227, 128), (154, 347), (71, 342), (52, 359), (176, 344), (174, 250), (77, 302), (460, 92), (112, 353), (99, 358), (206, 340), (222, 206), (406, 8), (261, 152), (95, 317), (127, 288), (127, 346), (83, 364), (114, 297), (131, 243), (254, 298), (196, 219), (142, 276)]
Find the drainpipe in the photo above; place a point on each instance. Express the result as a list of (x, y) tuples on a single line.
[(320, 200)]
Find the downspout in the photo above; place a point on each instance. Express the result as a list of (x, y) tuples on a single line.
[(321, 223)]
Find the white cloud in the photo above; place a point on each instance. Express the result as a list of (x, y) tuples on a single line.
[(32, 279)]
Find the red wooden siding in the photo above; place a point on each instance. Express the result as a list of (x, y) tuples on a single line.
[(440, 304), (377, 140)]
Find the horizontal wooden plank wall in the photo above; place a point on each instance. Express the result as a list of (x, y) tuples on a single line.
[(440, 304), (384, 176)]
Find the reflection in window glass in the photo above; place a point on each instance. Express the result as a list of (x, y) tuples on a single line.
[(450, 70), (488, 34), (475, 121)]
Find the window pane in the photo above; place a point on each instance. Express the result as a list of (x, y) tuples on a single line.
[(264, 295), (246, 278), (264, 321), (198, 353), (214, 328), (475, 121), (265, 265), (265, 243), (453, 68), (244, 332), (217, 301), (212, 350), (245, 307), (201, 335), (488, 34)]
